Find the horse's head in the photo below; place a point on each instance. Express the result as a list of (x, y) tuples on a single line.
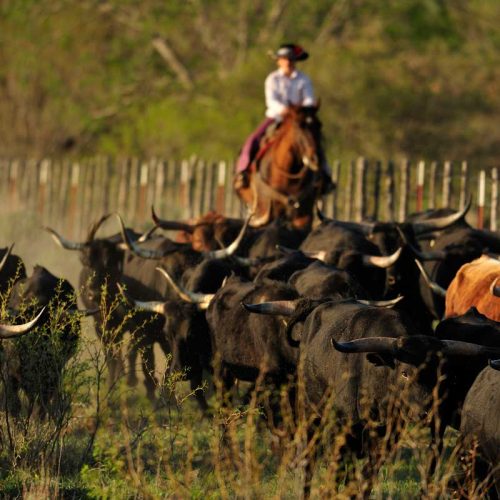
[(306, 117), (302, 123)]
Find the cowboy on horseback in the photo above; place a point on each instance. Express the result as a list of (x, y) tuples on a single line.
[(285, 87)]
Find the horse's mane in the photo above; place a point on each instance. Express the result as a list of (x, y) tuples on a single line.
[(297, 115)]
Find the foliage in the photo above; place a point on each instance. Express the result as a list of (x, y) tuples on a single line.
[(400, 77), (111, 442)]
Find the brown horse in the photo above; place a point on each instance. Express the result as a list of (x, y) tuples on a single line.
[(285, 177)]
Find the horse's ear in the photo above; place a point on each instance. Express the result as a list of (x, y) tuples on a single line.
[(318, 104)]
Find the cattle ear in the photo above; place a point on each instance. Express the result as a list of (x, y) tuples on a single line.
[(295, 331), (381, 360)]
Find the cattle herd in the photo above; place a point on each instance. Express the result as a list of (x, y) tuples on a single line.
[(360, 307)]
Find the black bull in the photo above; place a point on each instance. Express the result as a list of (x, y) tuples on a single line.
[(400, 361), (481, 422), (105, 264), (11, 269), (34, 364)]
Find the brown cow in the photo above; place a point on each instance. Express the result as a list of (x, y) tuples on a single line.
[(474, 285), (205, 233)]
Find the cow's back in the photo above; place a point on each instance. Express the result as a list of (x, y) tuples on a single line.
[(471, 287), (481, 418)]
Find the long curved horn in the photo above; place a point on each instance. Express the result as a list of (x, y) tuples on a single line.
[(154, 306), (494, 288), (6, 256), (459, 348), (321, 216), (421, 255), (319, 255), (381, 345), (12, 331), (264, 218), (275, 308), (495, 364), (83, 312), (63, 242), (440, 222), (169, 224), (428, 255), (381, 303), (145, 253), (228, 251), (285, 250), (247, 261), (384, 261), (365, 227), (202, 299), (437, 289), (147, 235), (94, 228)]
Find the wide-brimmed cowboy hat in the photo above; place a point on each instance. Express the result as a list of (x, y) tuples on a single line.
[(290, 51)]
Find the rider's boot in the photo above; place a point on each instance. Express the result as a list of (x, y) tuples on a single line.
[(241, 180)]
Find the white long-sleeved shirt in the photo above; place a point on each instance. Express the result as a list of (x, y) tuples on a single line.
[(281, 90)]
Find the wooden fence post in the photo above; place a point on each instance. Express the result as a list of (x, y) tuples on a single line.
[(184, 190), (389, 191), (172, 191), (494, 199), (335, 195), (4, 176), (208, 190), (63, 201), (432, 185), (42, 186), (111, 187), (86, 192), (73, 199), (463, 185), (231, 197), (349, 192), (420, 186), (153, 166), (123, 172), (29, 185), (481, 199), (221, 184), (95, 190), (54, 192), (13, 190), (376, 189), (359, 200), (199, 182), (159, 184), (447, 170), (143, 187), (132, 192), (403, 193)]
